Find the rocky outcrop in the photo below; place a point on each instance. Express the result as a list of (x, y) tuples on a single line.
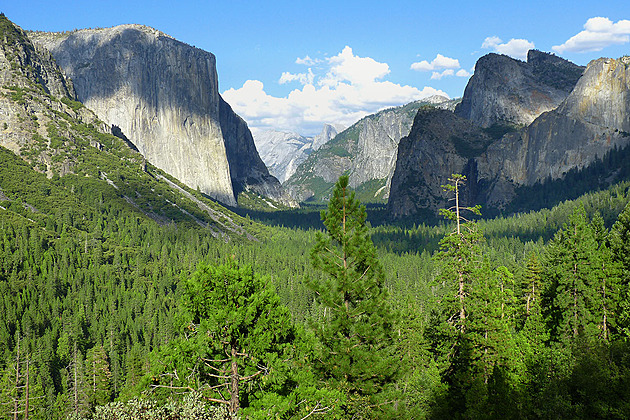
[(284, 152), (163, 95), (439, 144), (33, 95), (366, 150), (592, 120), (506, 91), (22, 63)]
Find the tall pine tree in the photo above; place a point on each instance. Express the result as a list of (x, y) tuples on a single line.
[(356, 331)]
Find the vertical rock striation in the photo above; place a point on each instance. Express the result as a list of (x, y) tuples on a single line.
[(283, 152), (163, 95), (366, 150), (593, 119)]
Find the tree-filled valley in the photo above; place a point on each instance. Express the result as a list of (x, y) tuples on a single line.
[(94, 296), (124, 293)]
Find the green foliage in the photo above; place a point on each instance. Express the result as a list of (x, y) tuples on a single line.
[(497, 130), (582, 281), (75, 105), (192, 407), (371, 191), (356, 324), (234, 337)]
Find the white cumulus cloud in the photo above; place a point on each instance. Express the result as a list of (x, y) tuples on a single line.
[(436, 75), (438, 63), (598, 33), (516, 48), (348, 88), (307, 61), (303, 78)]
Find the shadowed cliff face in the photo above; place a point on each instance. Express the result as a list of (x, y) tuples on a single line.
[(163, 94), (508, 91), (438, 145), (366, 150), (591, 121), (247, 169)]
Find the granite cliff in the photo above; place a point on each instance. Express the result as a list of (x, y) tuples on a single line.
[(439, 144), (366, 150), (592, 120), (506, 91), (163, 95), (283, 152), (42, 124)]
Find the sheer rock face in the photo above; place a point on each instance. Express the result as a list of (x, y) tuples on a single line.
[(246, 166), (163, 94), (283, 152), (593, 119), (438, 145), (366, 150), (508, 91)]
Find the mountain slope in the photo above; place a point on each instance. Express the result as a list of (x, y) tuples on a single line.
[(70, 147), (284, 152), (366, 150), (506, 91), (589, 124), (163, 94)]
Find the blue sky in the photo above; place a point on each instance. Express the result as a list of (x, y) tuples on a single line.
[(294, 65)]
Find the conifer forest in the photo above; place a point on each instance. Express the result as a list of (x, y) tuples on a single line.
[(108, 314), (127, 294)]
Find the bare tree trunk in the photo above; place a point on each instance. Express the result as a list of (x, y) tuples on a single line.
[(234, 400), (28, 380), (605, 320), (457, 205), (462, 309), (76, 385), (16, 401)]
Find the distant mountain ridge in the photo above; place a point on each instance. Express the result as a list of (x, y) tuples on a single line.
[(163, 94), (283, 152), (366, 151)]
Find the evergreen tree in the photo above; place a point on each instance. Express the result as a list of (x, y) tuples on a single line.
[(98, 376), (472, 330), (356, 329), (235, 334), (619, 244), (582, 281)]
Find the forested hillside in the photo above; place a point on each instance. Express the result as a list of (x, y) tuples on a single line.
[(125, 294), (92, 287)]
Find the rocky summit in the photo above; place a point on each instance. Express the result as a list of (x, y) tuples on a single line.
[(506, 91), (283, 152), (163, 96), (592, 120), (366, 150)]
